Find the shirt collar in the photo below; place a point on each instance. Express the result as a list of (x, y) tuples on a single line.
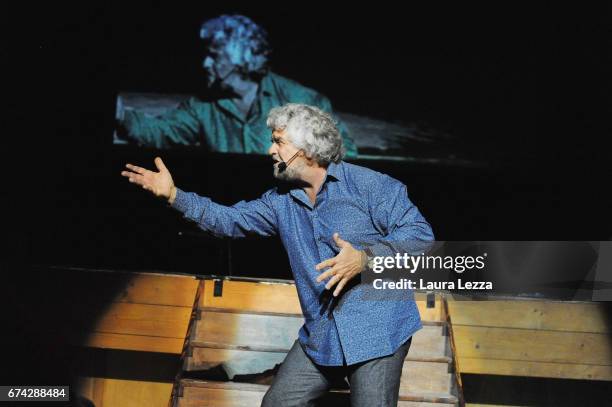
[(266, 85), (334, 173), (265, 89)]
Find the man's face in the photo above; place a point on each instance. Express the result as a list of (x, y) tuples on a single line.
[(283, 150), (218, 67)]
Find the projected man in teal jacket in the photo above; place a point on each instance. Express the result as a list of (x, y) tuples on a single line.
[(241, 91)]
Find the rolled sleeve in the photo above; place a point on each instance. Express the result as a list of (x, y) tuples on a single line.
[(177, 127)]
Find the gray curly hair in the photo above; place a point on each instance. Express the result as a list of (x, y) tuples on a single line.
[(246, 43), (310, 129)]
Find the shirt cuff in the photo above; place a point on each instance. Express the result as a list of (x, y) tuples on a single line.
[(181, 203)]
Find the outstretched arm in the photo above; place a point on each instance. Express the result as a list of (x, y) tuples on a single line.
[(256, 217), (177, 127)]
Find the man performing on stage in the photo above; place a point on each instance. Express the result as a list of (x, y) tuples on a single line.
[(332, 217)]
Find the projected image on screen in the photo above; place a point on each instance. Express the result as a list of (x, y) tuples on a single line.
[(230, 115)]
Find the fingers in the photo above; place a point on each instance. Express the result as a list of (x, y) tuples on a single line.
[(326, 263), (326, 275), (137, 169), (143, 177), (337, 270), (160, 164), (340, 286), (138, 175), (337, 278), (139, 180), (333, 281), (134, 177)]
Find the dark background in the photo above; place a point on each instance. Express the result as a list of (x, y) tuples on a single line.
[(522, 89)]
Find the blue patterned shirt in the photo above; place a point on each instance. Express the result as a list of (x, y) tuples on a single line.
[(366, 208)]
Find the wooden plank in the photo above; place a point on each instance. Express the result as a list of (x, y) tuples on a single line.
[(145, 319), (546, 315), (535, 369), (131, 393), (200, 390), (219, 397), (204, 384), (281, 298), (532, 345), (253, 296), (414, 355), (242, 362), (430, 377), (234, 362), (98, 390), (159, 289), (135, 342), (136, 393), (429, 344), (417, 376), (277, 333), (248, 331), (430, 314), (429, 397)]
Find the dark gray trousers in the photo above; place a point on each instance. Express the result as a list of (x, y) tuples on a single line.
[(300, 381)]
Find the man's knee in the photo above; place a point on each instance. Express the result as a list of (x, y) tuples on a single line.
[(297, 383)]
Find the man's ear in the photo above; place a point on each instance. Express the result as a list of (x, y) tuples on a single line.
[(309, 160)]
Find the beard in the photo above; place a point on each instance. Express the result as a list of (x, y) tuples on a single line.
[(291, 173)]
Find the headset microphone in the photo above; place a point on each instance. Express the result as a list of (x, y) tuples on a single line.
[(282, 166)]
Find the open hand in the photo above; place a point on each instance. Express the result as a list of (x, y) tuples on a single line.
[(159, 183), (346, 265)]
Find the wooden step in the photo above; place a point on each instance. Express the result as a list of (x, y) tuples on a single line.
[(426, 376), (239, 362), (280, 297), (247, 343), (229, 394), (247, 331), (235, 337)]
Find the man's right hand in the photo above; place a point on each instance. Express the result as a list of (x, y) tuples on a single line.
[(159, 183)]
